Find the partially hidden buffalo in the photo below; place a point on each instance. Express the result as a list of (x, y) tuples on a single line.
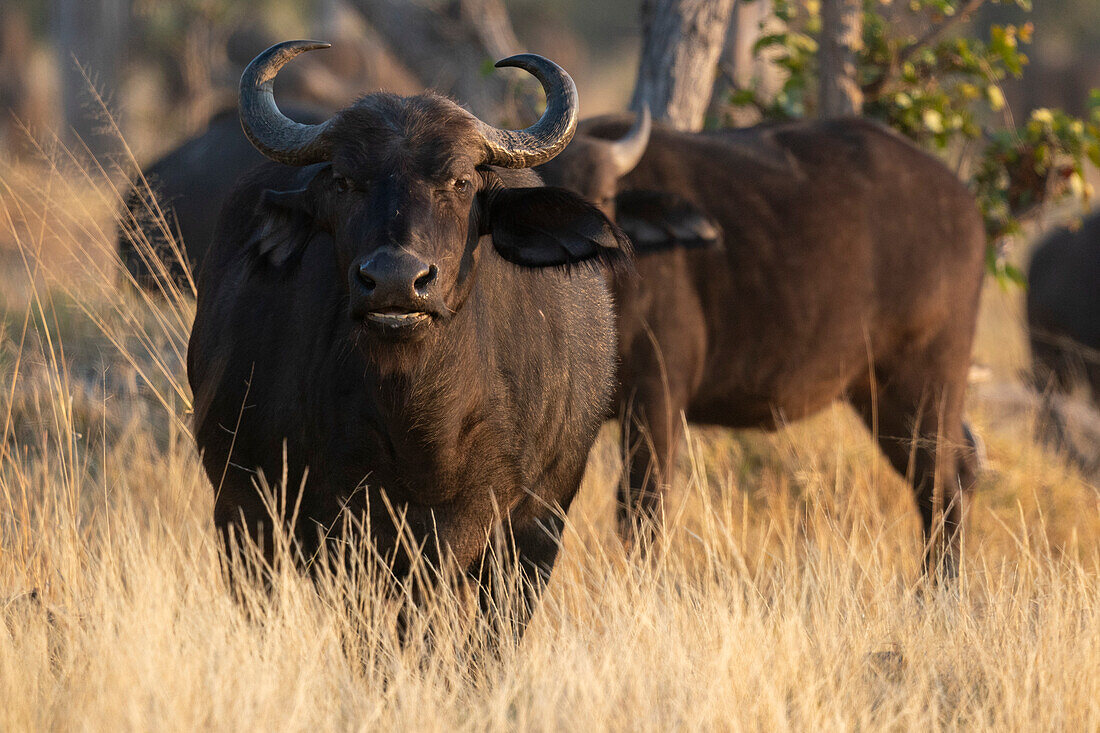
[(1063, 320), (172, 209), (399, 319), (816, 261), (1063, 309)]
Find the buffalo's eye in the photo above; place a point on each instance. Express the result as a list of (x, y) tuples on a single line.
[(462, 185), (343, 183)]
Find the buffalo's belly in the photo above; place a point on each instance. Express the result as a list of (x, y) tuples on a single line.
[(765, 406), (758, 373)]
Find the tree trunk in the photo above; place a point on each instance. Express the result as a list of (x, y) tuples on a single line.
[(90, 38), (839, 92), (202, 44), (681, 43), (360, 60), (739, 67), (448, 48), (489, 20), (20, 102)]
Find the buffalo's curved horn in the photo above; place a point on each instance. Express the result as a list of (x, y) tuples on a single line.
[(546, 138), (627, 151), (272, 133)]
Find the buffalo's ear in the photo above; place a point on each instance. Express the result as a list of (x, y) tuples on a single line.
[(286, 222), (655, 220), (548, 226)]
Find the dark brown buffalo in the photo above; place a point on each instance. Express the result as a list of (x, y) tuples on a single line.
[(396, 306), (1063, 319), (832, 260), (172, 209), (1063, 309)]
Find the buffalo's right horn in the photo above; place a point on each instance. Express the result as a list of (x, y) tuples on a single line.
[(272, 133), (627, 151)]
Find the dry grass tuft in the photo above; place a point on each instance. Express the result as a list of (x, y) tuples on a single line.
[(787, 594)]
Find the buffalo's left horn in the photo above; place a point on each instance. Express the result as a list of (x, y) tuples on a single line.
[(627, 151), (546, 138), (272, 133)]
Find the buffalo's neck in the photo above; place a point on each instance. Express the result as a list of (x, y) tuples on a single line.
[(429, 399)]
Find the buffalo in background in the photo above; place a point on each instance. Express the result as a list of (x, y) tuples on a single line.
[(171, 215), (817, 261), (1063, 318), (1063, 309), (398, 320)]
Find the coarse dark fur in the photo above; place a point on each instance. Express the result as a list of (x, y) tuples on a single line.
[(1063, 309), (188, 185), (831, 260), (480, 419), (1063, 323)]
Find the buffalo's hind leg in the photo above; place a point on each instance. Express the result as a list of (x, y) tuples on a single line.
[(917, 412), (652, 429), (1057, 371)]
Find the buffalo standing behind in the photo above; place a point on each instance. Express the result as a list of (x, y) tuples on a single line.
[(1063, 320), (816, 261)]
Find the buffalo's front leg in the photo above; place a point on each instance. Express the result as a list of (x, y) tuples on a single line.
[(515, 571)]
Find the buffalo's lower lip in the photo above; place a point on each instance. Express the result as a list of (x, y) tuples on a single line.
[(398, 319)]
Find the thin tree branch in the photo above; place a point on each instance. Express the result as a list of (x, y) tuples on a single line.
[(932, 35)]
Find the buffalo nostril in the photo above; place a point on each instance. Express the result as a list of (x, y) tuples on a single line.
[(365, 278), (426, 277)]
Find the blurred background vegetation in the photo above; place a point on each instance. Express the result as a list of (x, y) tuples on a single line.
[(999, 88), (164, 66)]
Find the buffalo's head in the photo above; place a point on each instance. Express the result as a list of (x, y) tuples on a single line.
[(407, 187), (593, 166), (598, 169)]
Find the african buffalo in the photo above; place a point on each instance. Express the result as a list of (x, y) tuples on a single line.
[(1063, 309), (1063, 319), (411, 322), (189, 184), (818, 261)]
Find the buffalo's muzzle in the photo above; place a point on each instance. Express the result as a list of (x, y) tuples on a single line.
[(393, 289)]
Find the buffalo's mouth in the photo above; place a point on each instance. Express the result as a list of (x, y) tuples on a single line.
[(395, 318)]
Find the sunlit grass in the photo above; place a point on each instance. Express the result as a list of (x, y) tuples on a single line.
[(786, 593)]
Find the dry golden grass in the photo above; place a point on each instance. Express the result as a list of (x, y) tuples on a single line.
[(788, 594)]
